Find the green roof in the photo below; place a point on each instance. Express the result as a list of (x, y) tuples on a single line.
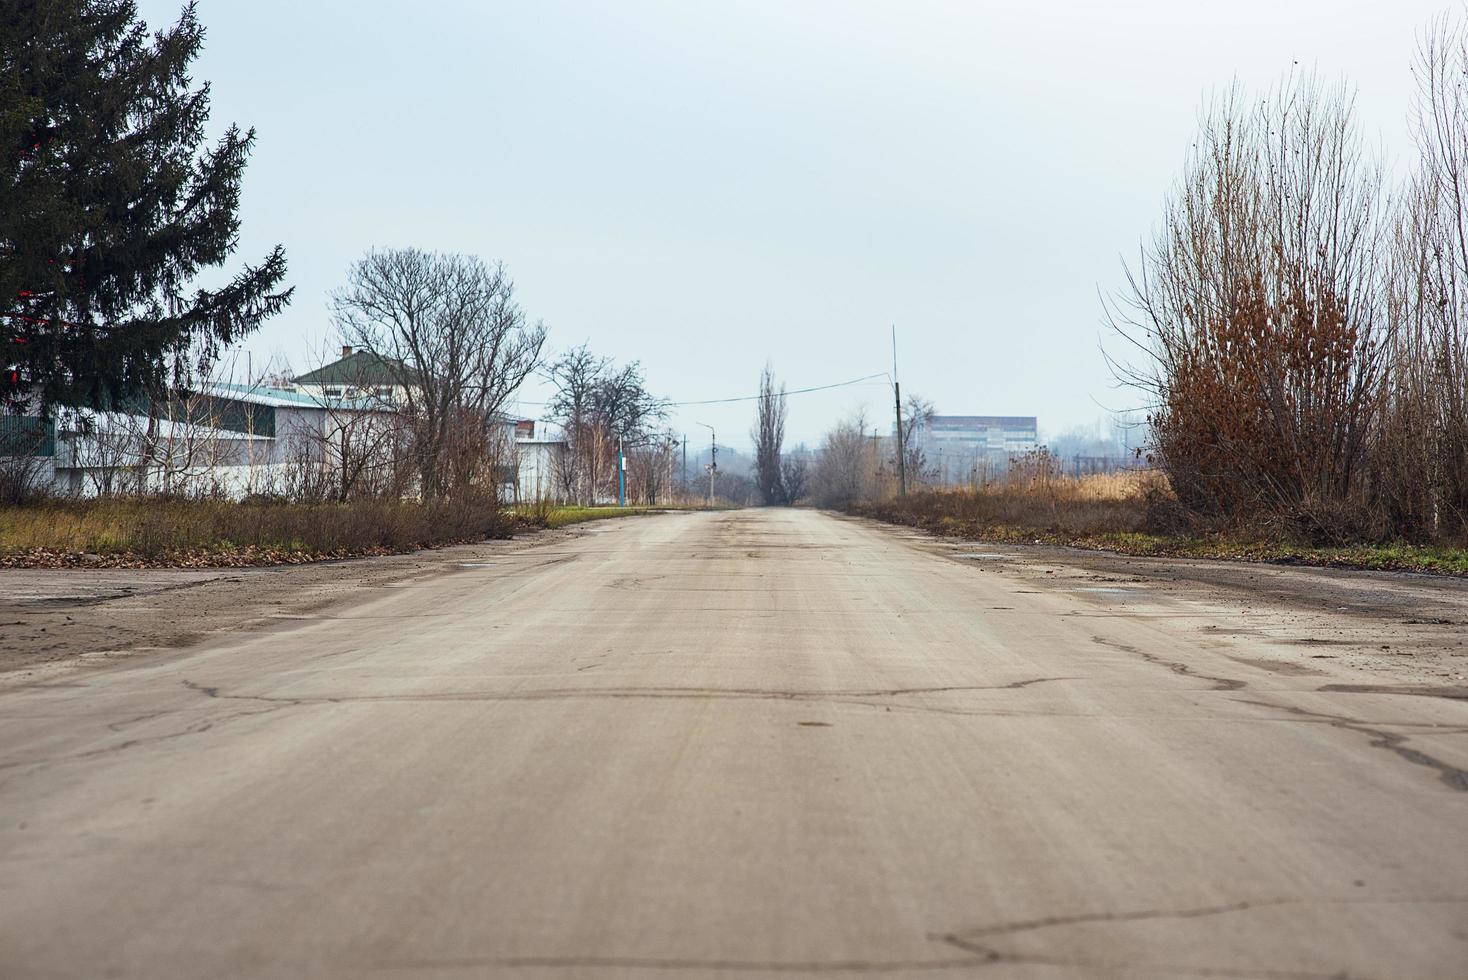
[(360, 368)]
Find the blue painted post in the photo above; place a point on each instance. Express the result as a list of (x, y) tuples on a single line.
[(621, 476)]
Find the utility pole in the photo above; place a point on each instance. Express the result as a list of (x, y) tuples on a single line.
[(685, 464), (897, 399), (713, 459)]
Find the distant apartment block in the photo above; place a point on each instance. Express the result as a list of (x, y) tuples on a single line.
[(960, 448)]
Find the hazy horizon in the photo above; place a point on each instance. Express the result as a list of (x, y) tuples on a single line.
[(704, 190)]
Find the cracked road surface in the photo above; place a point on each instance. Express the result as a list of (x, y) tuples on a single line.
[(751, 743)]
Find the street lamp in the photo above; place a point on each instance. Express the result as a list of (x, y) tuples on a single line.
[(713, 459)]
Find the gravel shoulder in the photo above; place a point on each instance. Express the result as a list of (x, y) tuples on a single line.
[(53, 620), (1406, 627)]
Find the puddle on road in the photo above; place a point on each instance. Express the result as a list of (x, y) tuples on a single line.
[(984, 556)]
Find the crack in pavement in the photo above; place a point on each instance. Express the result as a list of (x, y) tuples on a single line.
[(1029, 925), (1407, 690), (969, 940), (1219, 683), (681, 964), (649, 693), (978, 954), (1393, 742), (197, 728), (118, 726)]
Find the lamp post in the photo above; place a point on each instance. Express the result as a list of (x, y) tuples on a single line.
[(621, 474), (713, 459)]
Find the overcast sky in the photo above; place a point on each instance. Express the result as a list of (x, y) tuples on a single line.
[(704, 186)]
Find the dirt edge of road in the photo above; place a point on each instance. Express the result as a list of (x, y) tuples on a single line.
[(55, 619), (1402, 625)]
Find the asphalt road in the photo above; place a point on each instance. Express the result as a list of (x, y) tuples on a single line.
[(751, 743)]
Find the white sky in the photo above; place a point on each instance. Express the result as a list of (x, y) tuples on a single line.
[(705, 186)]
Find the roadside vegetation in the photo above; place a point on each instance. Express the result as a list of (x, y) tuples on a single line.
[(139, 531), (112, 347), (1126, 512), (603, 411), (1297, 329), (1299, 323), (126, 438), (548, 515)]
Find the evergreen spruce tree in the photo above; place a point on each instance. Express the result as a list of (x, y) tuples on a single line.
[(111, 204)]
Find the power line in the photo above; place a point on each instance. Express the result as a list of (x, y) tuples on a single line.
[(797, 391), (749, 398)]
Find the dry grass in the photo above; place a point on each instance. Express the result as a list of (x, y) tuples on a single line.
[(223, 532), (1103, 503), (551, 515), (564, 515), (1133, 513)]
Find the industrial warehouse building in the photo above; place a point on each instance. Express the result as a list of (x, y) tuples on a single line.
[(966, 448)]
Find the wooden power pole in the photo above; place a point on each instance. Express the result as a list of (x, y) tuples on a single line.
[(897, 399)]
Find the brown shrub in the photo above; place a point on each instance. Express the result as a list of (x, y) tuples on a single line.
[(1261, 314), (156, 527), (1115, 503)]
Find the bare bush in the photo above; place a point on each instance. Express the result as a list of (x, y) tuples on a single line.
[(1260, 311), (795, 478), (650, 466), (1036, 470), (845, 470)]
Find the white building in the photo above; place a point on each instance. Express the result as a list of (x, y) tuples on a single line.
[(232, 440), (538, 465), (357, 374), (236, 440)]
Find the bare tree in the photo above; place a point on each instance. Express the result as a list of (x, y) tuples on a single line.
[(102, 453), (181, 445), (845, 466), (917, 417), (769, 438), (794, 478), (650, 468), (623, 404), (576, 376), (360, 442), (448, 330), (1259, 315), (1421, 451), (599, 407)]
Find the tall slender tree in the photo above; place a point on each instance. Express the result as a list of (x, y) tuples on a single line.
[(111, 204), (769, 438)]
